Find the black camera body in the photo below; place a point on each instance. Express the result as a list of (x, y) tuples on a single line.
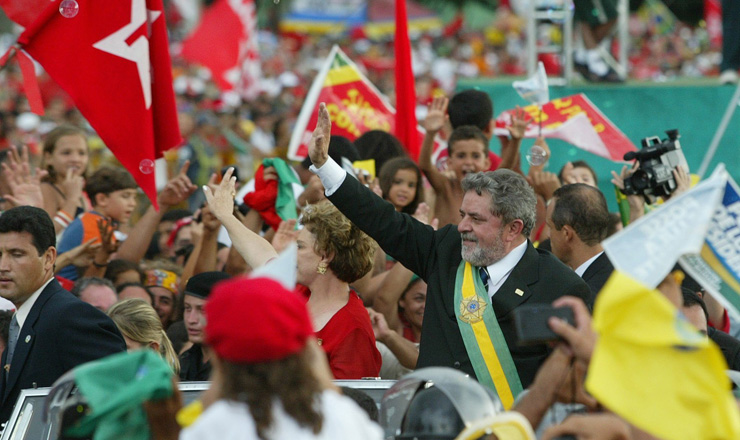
[(657, 161)]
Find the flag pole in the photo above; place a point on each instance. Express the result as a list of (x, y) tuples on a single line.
[(539, 120)]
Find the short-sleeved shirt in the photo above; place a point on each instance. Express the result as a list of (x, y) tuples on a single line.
[(81, 229)]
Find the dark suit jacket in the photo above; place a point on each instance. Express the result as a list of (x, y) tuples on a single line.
[(729, 346), (59, 333), (597, 273), (435, 257)]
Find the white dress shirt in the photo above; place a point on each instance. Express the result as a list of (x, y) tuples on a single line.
[(500, 270), (22, 313), (583, 267), (332, 176)]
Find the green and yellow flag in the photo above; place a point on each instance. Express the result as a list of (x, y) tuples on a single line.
[(655, 370)]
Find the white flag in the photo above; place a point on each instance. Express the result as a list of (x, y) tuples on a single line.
[(649, 248), (281, 269), (534, 89)]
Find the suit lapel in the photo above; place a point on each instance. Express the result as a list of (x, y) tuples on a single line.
[(26, 338), (515, 289), (600, 264)]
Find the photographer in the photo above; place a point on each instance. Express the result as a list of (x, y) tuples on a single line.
[(648, 178)]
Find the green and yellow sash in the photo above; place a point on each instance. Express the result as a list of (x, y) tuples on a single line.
[(483, 338)]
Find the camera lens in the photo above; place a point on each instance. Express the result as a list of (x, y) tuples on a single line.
[(640, 180)]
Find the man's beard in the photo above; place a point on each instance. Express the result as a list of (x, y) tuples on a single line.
[(481, 257)]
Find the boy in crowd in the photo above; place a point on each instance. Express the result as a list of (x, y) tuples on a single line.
[(112, 193), (467, 148)]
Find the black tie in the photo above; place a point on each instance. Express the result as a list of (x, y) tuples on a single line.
[(484, 276)]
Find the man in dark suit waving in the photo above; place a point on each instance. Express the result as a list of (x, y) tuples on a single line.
[(51, 331), (477, 272)]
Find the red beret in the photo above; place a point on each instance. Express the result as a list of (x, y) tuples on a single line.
[(256, 320)]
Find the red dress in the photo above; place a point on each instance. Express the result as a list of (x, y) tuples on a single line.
[(349, 342)]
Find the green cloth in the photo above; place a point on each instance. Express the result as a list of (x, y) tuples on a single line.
[(115, 388), (285, 202)]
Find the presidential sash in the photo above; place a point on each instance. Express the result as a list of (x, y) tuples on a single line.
[(484, 340)]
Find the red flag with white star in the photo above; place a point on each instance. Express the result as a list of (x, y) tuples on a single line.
[(112, 58), (225, 42)]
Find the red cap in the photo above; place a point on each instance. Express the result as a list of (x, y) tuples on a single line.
[(256, 320)]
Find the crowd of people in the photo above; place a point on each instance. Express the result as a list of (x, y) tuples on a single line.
[(420, 271), (395, 273)]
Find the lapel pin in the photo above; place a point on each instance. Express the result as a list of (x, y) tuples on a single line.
[(28, 339), (519, 292)]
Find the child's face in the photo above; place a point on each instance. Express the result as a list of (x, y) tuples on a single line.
[(403, 188), (468, 156), (118, 205), (579, 175), (70, 152)]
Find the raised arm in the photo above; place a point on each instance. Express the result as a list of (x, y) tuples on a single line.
[(175, 192), (401, 236), (434, 121), (510, 155), (255, 250)]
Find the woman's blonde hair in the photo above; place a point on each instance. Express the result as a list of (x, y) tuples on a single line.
[(353, 250), (138, 321)]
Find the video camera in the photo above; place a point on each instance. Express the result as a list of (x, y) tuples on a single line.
[(657, 161)]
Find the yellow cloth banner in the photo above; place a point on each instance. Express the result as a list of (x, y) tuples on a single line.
[(655, 369)]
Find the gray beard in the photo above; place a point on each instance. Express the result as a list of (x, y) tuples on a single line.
[(481, 257)]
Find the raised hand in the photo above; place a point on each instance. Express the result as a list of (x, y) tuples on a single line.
[(436, 115), (269, 173), (318, 147), (109, 244), (25, 186), (422, 214), (221, 201), (544, 182), (72, 185), (618, 179), (636, 202), (683, 181), (209, 220), (178, 189), (519, 122), (285, 235)]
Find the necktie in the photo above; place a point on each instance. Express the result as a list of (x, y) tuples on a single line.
[(483, 271), (13, 333)]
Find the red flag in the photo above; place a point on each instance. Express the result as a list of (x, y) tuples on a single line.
[(576, 120), (355, 105), (112, 58), (226, 43), (406, 130), (23, 12)]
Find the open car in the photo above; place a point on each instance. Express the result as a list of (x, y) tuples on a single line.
[(27, 420)]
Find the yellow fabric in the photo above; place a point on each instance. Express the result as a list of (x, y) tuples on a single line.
[(342, 75), (657, 371), (506, 426), (486, 346), (190, 413), (367, 165)]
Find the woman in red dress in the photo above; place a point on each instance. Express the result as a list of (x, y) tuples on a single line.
[(332, 253)]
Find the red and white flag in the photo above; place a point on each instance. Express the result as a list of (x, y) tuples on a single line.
[(576, 120), (113, 59), (225, 42)]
